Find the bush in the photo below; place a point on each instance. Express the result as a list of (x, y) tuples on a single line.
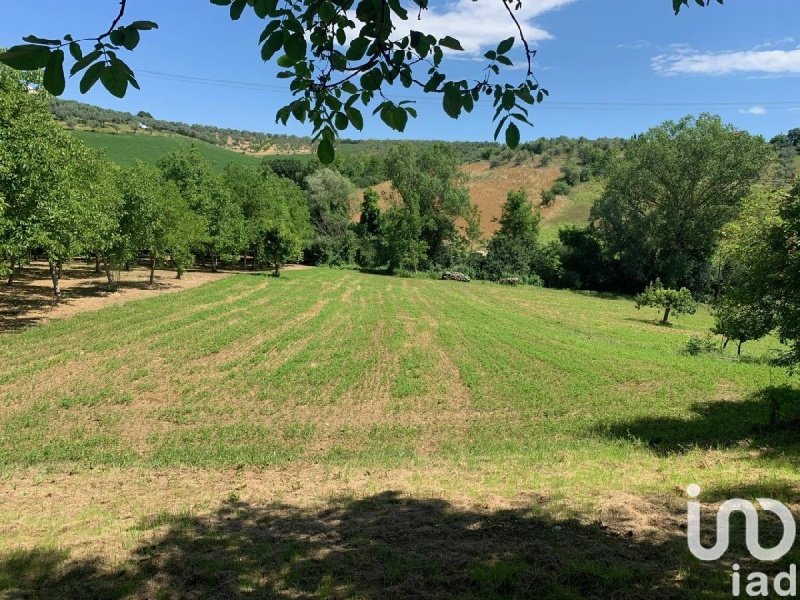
[(697, 345), (548, 197), (560, 188), (571, 174)]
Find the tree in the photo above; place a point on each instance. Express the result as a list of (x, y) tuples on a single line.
[(670, 194), (103, 202), (209, 198), (514, 246), (54, 187), (267, 201), (431, 180), (329, 195), (281, 244), (765, 252), (403, 250), (672, 302), (368, 230), (741, 322), (330, 77)]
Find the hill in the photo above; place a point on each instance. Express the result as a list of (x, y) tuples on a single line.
[(126, 148), (468, 440), (489, 186)]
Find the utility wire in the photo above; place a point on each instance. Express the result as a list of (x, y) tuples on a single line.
[(555, 104)]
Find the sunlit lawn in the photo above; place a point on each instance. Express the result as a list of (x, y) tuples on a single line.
[(287, 401)]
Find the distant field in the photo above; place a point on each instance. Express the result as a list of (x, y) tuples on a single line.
[(126, 148), (340, 435)]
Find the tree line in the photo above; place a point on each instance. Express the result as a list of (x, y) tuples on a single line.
[(693, 204)]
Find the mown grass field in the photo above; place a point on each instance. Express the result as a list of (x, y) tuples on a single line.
[(126, 148), (334, 434)]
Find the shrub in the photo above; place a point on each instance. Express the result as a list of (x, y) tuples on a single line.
[(548, 197), (697, 345), (560, 188)]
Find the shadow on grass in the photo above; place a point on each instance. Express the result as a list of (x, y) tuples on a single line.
[(384, 546), (768, 420), (23, 303)]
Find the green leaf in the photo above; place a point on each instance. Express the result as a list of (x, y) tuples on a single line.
[(284, 61), (32, 39), (451, 43), (387, 115), (355, 117), (505, 45), (115, 79), (91, 76), (400, 119), (357, 49), (372, 80), (237, 8), (85, 61), (512, 136), (509, 99), (28, 57), (434, 82), (145, 25), (272, 45), (325, 151), (132, 38), (54, 81), (451, 102), (117, 37), (295, 47), (75, 50), (341, 121)]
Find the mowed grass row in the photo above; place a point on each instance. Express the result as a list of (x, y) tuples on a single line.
[(569, 394)]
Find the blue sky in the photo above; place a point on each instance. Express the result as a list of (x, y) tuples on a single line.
[(613, 67)]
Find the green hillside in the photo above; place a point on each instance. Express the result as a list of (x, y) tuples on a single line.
[(125, 148)]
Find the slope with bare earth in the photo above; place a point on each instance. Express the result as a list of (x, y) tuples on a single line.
[(489, 187)]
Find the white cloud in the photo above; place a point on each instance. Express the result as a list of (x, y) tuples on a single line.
[(683, 60), (753, 110), (479, 25)]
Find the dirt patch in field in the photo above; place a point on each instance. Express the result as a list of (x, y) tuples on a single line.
[(29, 300)]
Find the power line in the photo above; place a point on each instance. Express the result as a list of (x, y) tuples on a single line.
[(555, 104)]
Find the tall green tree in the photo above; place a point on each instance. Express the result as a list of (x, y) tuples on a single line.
[(514, 247), (765, 252), (431, 182), (329, 202), (368, 230), (666, 200)]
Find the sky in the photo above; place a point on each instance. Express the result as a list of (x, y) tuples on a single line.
[(612, 67)]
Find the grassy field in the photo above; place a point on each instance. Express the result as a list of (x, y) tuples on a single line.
[(126, 148), (340, 435)]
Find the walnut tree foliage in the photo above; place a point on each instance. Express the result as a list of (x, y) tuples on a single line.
[(338, 57)]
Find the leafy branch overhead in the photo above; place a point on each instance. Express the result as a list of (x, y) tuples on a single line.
[(339, 57)]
